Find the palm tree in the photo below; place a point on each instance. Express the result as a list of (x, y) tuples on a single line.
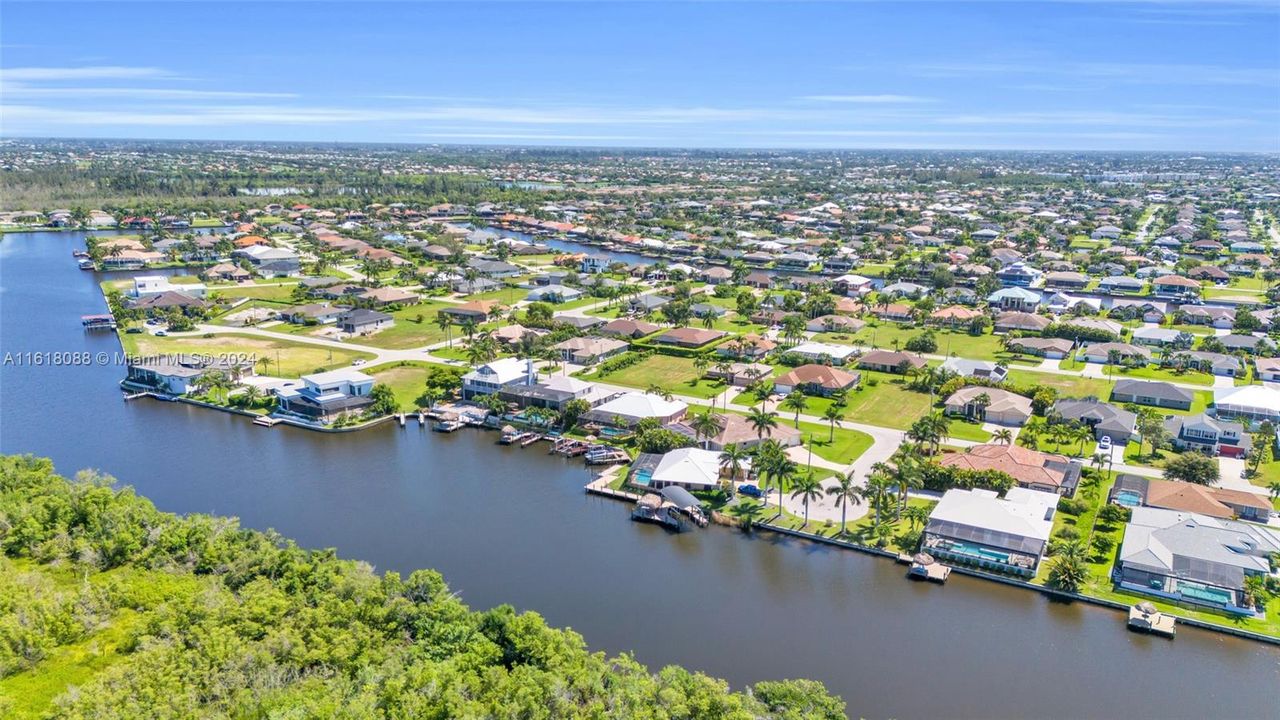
[(918, 515), (982, 402), (807, 488), (1004, 436), (701, 363), (797, 401), (846, 491), (469, 326), (732, 458), (832, 415), (1274, 487), (656, 389), (444, 321), (878, 484), (705, 426), (761, 390), (251, 394), (763, 422)]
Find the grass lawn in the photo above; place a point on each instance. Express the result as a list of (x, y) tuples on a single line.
[(967, 430), (279, 293), (276, 357), (1268, 473), (848, 444), (676, 375), (408, 332), (888, 404), (407, 381), (961, 344), (1066, 385), (1155, 373)]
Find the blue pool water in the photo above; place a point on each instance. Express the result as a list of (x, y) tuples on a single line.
[(641, 478), (1128, 498)]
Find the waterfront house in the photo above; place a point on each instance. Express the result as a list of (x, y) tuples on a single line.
[(630, 408), (1029, 468), (822, 352), (1193, 558), (226, 272), (589, 350), (554, 393), (180, 374), (981, 529), (890, 361), (496, 375), (1222, 503), (1248, 403), (1153, 393), (1104, 419), (737, 430), (362, 321), (821, 380), (145, 286), (327, 396), (691, 468), (168, 300)]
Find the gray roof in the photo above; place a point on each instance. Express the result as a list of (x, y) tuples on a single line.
[(1196, 547), (1154, 389)]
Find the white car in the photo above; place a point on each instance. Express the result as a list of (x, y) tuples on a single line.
[(1105, 443)]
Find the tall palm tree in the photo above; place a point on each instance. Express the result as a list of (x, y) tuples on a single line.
[(832, 415), (807, 488), (917, 515), (878, 484), (761, 390), (764, 422), (656, 389), (444, 321), (1004, 436), (846, 491), (797, 401), (705, 426), (732, 460)]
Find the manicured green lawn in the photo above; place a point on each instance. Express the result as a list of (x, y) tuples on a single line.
[(407, 381), (676, 375), (1066, 385), (280, 293), (887, 404), (276, 357), (415, 326), (1155, 373), (848, 444), (966, 430)]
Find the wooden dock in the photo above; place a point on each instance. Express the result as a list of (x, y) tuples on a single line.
[(1145, 618), (266, 421), (925, 567)]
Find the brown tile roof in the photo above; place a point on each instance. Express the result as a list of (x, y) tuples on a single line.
[(824, 375), (1027, 466)]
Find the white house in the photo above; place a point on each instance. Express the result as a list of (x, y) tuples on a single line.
[(690, 468), (819, 352), (326, 396), (978, 528), (494, 376), (1255, 403), (145, 286), (630, 408)]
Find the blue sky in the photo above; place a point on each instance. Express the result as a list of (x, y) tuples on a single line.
[(1020, 75)]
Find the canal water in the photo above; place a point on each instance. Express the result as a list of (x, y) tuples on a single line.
[(511, 525)]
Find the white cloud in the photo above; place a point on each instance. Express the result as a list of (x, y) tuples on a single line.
[(22, 90), (93, 72), (869, 99)]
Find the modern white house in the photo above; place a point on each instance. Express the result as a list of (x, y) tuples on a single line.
[(630, 408), (179, 374), (145, 286), (690, 468), (326, 396), (494, 376), (981, 529)]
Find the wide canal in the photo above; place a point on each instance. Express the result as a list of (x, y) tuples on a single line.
[(507, 525)]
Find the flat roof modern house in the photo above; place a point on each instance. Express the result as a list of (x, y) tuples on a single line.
[(326, 396)]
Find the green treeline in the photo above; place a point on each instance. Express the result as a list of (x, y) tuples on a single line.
[(110, 608)]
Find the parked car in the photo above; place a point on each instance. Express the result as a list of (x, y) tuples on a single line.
[(1105, 443), (751, 491), (161, 333)]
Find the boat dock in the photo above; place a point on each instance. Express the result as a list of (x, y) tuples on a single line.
[(925, 567), (98, 322), (1145, 618), (266, 421)]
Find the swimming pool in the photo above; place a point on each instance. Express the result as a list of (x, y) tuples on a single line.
[(642, 477), (1128, 498)]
